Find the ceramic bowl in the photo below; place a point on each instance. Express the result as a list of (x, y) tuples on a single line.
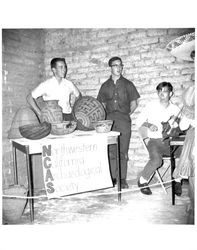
[(63, 128)]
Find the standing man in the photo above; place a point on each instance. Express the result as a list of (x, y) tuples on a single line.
[(151, 118), (119, 97), (56, 88)]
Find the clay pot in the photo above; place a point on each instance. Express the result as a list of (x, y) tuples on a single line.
[(24, 116), (13, 208), (51, 112)]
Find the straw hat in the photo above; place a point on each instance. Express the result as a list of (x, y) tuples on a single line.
[(183, 47)]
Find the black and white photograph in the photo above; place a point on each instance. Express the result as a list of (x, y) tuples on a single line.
[(98, 128)]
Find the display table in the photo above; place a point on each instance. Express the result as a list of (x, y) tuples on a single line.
[(174, 143), (31, 147)]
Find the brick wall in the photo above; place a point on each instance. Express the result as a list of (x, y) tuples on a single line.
[(22, 68), (27, 55)]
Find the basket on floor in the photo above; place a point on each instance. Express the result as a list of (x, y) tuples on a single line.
[(13, 207)]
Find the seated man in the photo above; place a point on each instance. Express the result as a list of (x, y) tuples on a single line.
[(151, 117)]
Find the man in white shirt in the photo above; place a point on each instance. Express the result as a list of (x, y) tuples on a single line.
[(56, 88), (151, 118)]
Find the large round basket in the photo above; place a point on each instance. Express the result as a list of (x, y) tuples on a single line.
[(24, 116), (88, 110), (13, 207)]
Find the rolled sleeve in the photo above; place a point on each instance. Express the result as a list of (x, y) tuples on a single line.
[(38, 91)]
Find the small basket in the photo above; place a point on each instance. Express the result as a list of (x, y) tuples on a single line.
[(103, 126), (63, 128)]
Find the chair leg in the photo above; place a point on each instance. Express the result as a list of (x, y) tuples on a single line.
[(160, 180), (163, 174)]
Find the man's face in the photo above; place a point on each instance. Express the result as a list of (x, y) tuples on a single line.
[(60, 69), (116, 68), (164, 94)]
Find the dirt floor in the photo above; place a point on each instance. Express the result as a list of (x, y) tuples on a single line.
[(103, 206)]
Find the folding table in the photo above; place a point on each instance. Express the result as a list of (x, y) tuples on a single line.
[(31, 147)]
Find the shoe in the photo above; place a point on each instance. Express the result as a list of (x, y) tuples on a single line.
[(114, 181), (144, 188), (178, 188), (124, 184)]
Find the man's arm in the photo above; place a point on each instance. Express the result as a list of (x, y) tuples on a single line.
[(74, 95), (33, 104), (151, 126), (142, 120), (133, 106), (73, 98)]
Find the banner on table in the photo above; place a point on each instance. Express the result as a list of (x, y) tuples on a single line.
[(75, 165)]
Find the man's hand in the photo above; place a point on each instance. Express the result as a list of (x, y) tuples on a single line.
[(153, 128)]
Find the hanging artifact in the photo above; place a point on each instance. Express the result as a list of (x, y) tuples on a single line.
[(183, 47)]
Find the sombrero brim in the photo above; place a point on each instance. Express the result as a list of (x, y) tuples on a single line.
[(182, 47)]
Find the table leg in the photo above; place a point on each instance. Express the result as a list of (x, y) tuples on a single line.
[(30, 183), (172, 159), (15, 165), (118, 170)]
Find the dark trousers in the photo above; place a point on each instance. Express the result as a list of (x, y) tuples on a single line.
[(122, 124), (157, 149), (68, 117)]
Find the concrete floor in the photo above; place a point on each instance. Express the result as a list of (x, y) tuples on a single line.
[(103, 206)]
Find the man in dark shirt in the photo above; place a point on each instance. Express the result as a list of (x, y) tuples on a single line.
[(119, 97)]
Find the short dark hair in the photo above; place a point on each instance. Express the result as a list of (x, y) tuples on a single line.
[(114, 59), (57, 59), (162, 85)]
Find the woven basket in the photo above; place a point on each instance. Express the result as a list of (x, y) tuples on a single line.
[(24, 115), (88, 110), (35, 131), (13, 207), (103, 126)]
